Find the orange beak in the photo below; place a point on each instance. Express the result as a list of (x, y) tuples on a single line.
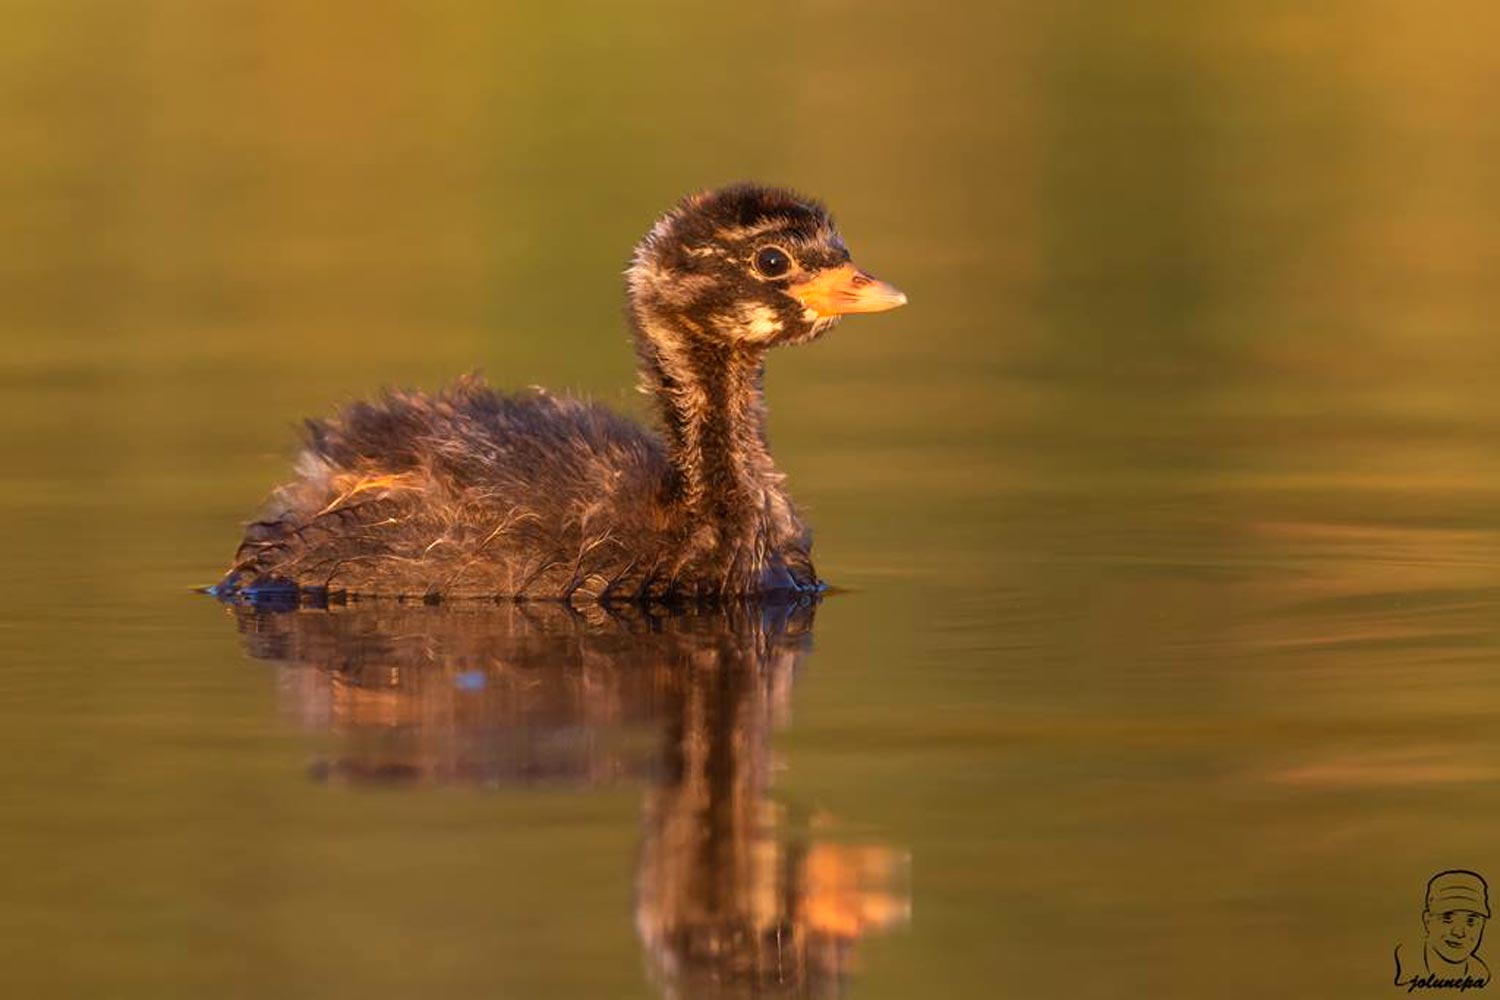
[(846, 289)]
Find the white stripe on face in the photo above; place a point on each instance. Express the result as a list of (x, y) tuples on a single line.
[(751, 321)]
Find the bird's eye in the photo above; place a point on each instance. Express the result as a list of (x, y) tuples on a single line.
[(772, 262)]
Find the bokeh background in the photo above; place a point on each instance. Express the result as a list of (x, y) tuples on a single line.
[(1169, 508)]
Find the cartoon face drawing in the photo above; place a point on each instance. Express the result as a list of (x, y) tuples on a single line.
[(1454, 934), (1456, 909)]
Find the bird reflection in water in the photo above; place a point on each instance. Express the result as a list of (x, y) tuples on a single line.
[(731, 898)]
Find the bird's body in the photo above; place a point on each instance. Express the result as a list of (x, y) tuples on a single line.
[(471, 493)]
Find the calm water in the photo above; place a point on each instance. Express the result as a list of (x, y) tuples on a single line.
[(1168, 511)]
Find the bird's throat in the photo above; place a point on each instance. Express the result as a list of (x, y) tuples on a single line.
[(709, 394)]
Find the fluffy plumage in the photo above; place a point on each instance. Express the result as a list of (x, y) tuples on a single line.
[(470, 493)]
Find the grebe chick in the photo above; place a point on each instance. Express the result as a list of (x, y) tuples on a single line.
[(472, 493)]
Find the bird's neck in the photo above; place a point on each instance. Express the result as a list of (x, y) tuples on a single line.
[(713, 413)]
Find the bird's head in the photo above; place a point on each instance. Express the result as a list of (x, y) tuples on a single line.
[(749, 266)]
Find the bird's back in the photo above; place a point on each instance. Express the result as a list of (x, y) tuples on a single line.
[(463, 494)]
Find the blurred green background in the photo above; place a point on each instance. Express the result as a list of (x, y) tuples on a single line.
[(1170, 507)]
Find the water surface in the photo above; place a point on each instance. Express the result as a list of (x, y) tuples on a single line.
[(1168, 513)]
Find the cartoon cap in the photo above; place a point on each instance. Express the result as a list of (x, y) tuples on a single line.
[(1458, 890)]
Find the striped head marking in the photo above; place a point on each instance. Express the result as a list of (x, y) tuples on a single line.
[(749, 265)]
